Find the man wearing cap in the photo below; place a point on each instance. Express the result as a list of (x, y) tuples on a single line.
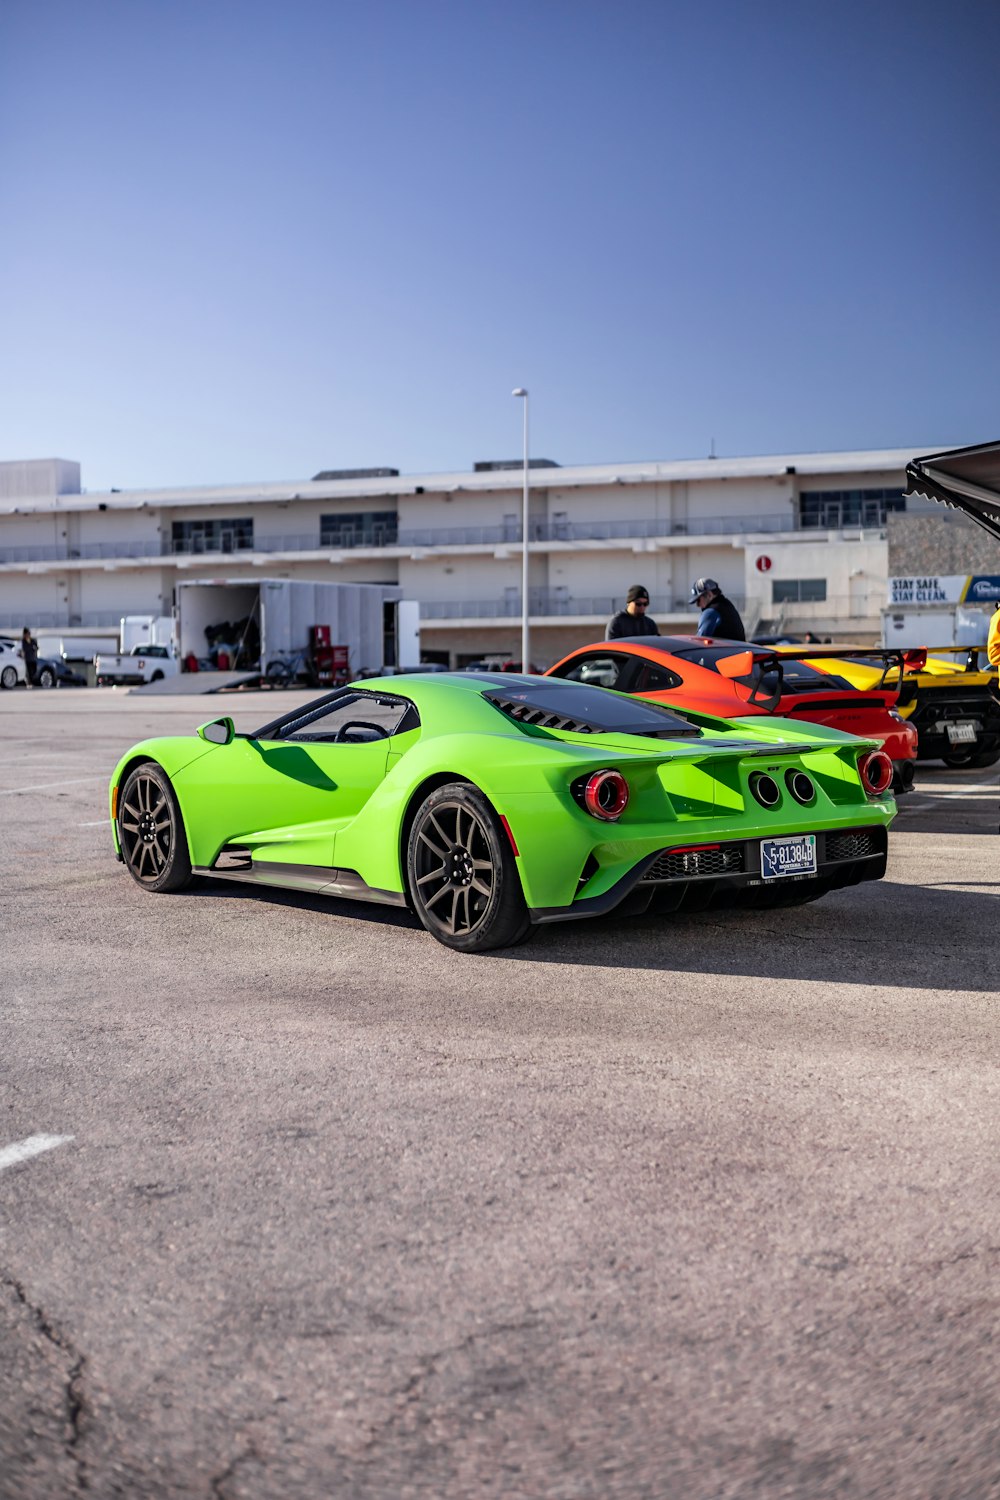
[(633, 619), (719, 615)]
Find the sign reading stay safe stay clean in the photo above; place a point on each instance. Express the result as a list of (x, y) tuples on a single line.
[(950, 588)]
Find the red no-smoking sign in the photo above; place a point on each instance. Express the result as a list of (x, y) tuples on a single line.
[(763, 564)]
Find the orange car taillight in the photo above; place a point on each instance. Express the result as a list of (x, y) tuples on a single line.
[(605, 795), (875, 770)]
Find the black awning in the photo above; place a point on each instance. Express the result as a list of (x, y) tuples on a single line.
[(967, 479)]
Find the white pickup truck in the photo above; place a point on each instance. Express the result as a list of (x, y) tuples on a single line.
[(142, 664)]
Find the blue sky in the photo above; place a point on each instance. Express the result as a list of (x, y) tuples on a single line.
[(247, 240)]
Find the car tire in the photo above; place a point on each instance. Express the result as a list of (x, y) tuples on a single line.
[(461, 875), (46, 677), (8, 677), (151, 831), (958, 758), (968, 759)]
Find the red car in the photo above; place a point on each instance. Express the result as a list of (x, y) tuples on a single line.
[(736, 680)]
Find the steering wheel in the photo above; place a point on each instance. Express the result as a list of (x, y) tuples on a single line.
[(369, 731)]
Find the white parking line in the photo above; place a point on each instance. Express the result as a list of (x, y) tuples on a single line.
[(957, 788), (47, 786), (973, 797), (33, 1146), (943, 851)]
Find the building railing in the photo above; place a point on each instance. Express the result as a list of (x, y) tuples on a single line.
[(627, 530), (195, 546), (438, 536), (581, 531), (822, 614), (48, 620), (838, 613), (87, 552), (549, 603)]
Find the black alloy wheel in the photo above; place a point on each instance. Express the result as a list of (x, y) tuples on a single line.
[(461, 872), (46, 677), (151, 831)]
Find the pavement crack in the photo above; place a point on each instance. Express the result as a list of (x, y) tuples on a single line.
[(75, 1398), (217, 1483)]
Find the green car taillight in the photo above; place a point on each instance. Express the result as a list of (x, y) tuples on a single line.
[(875, 770), (604, 794)]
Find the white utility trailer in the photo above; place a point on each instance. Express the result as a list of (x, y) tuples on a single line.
[(370, 619)]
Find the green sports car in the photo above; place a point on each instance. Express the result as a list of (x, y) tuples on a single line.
[(489, 803)]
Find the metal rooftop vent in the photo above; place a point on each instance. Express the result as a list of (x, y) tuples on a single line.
[(487, 465), (356, 474)]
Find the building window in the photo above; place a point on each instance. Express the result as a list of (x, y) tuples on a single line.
[(212, 535), (798, 590), (836, 508), (363, 528)]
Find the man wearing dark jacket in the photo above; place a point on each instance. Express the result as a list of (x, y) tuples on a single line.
[(633, 619), (719, 615), (29, 650)]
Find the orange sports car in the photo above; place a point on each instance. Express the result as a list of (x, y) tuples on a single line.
[(734, 680)]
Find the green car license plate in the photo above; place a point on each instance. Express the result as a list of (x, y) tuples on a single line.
[(788, 856)]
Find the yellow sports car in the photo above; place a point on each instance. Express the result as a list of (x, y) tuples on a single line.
[(966, 480), (953, 703)]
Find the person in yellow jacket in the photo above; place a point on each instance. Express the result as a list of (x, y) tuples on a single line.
[(993, 639)]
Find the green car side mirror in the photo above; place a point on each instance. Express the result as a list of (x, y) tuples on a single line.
[(218, 732)]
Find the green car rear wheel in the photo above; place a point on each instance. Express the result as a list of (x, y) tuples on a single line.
[(461, 872)]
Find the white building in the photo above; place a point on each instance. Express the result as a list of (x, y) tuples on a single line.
[(798, 541)]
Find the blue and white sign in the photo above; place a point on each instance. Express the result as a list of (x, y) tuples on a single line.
[(984, 588), (937, 590), (952, 588)]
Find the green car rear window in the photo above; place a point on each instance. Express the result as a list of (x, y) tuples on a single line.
[(554, 703)]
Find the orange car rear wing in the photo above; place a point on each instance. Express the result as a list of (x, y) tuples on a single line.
[(763, 660)]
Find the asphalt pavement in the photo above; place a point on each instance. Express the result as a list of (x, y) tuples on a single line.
[(294, 1202)]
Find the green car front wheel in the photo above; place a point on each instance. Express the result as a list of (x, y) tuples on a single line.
[(151, 831), (461, 872)]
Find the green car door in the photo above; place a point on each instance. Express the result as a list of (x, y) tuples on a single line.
[(286, 798)]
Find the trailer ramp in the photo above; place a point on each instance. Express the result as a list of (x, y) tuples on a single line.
[(191, 684)]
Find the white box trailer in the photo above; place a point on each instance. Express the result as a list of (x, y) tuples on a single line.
[(145, 630), (935, 625), (361, 616), (74, 646)]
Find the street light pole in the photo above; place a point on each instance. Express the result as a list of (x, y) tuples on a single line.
[(525, 629)]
